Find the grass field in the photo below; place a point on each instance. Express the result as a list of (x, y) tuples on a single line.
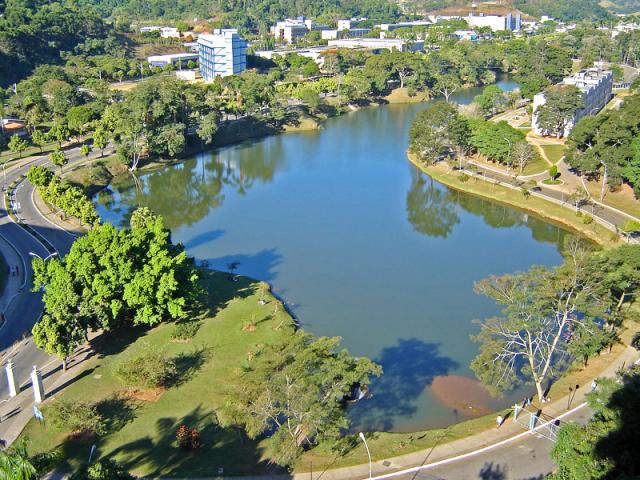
[(554, 152), (142, 434), (622, 199)]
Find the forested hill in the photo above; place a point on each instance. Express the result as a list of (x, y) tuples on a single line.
[(245, 13), (622, 6), (565, 10)]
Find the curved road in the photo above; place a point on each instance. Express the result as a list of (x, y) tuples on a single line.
[(26, 307)]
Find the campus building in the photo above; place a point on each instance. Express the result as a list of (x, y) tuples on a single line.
[(596, 86), (510, 21), (347, 33), (176, 59), (377, 44), (292, 29), (222, 54)]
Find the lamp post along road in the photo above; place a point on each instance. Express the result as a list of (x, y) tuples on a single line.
[(364, 440)]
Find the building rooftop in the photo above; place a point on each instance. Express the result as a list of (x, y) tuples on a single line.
[(588, 78)]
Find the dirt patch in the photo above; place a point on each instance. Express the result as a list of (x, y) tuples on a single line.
[(466, 395), (146, 395)]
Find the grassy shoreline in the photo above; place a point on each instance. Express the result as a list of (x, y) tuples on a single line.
[(545, 210)]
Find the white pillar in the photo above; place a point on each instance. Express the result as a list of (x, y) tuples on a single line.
[(38, 388), (11, 379)]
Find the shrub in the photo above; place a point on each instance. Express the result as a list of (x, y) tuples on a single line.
[(185, 330), (147, 368), (587, 219), (188, 438), (553, 171), (635, 341), (464, 178), (102, 470), (77, 416)]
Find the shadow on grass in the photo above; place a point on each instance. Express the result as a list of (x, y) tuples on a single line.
[(117, 411), (188, 364)]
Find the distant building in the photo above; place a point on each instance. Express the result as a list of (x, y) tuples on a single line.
[(344, 24), (379, 44), (510, 21), (389, 27), (314, 53), (292, 29), (596, 86), (222, 54), (470, 35), (338, 34), (179, 59), (169, 32)]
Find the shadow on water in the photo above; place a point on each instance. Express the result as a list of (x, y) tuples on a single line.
[(431, 209), (408, 368), (203, 238), (262, 264)]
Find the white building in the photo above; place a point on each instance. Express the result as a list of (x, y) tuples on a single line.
[(379, 44), (389, 27), (470, 35), (338, 34), (344, 24), (510, 21), (222, 54), (179, 59), (314, 53), (596, 86), (291, 29), (169, 32)]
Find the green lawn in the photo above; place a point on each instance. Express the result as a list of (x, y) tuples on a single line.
[(537, 166), (142, 434), (554, 152)]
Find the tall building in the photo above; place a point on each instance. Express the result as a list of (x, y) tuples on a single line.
[(595, 85), (222, 54)]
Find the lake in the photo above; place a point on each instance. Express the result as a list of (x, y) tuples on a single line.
[(361, 245)]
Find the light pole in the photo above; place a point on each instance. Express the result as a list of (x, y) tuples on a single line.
[(364, 440), (46, 258)]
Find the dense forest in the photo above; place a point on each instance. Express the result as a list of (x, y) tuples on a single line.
[(565, 10)]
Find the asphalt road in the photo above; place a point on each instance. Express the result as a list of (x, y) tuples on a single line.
[(26, 308), (526, 459)]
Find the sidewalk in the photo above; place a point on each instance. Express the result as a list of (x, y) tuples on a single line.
[(16, 412), (16, 282)]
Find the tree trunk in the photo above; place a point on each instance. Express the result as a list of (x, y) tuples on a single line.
[(605, 179), (64, 364), (540, 390)]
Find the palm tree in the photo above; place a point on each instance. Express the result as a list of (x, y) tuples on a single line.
[(15, 463)]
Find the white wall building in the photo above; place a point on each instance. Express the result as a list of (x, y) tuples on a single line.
[(291, 29), (179, 59), (169, 32), (379, 44), (344, 24), (222, 54), (338, 34), (510, 21), (596, 86), (389, 27)]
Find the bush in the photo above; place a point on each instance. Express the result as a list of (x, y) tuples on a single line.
[(77, 416), (188, 438), (102, 470), (635, 341), (185, 330), (148, 368), (587, 219)]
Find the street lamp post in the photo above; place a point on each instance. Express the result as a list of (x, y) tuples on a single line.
[(46, 258), (364, 440)]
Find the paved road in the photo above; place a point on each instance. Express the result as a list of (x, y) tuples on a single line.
[(25, 309), (527, 459)]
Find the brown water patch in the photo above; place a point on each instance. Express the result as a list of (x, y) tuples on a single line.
[(465, 395)]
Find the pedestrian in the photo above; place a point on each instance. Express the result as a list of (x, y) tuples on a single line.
[(499, 420), (593, 385)]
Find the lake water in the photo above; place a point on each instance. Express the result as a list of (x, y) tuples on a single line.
[(361, 245)]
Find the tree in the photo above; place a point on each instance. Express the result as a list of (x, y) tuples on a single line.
[(492, 100), (208, 127), (112, 278), (39, 139), (58, 158), (78, 118), (523, 154), (496, 141), (85, 149), (59, 132), (436, 130), (561, 104), (529, 341), (17, 144), (294, 391), (604, 448), (15, 463), (100, 138), (447, 84)]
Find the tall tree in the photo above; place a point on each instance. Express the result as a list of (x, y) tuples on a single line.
[(561, 104), (293, 392)]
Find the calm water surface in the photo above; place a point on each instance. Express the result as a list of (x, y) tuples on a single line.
[(359, 243)]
